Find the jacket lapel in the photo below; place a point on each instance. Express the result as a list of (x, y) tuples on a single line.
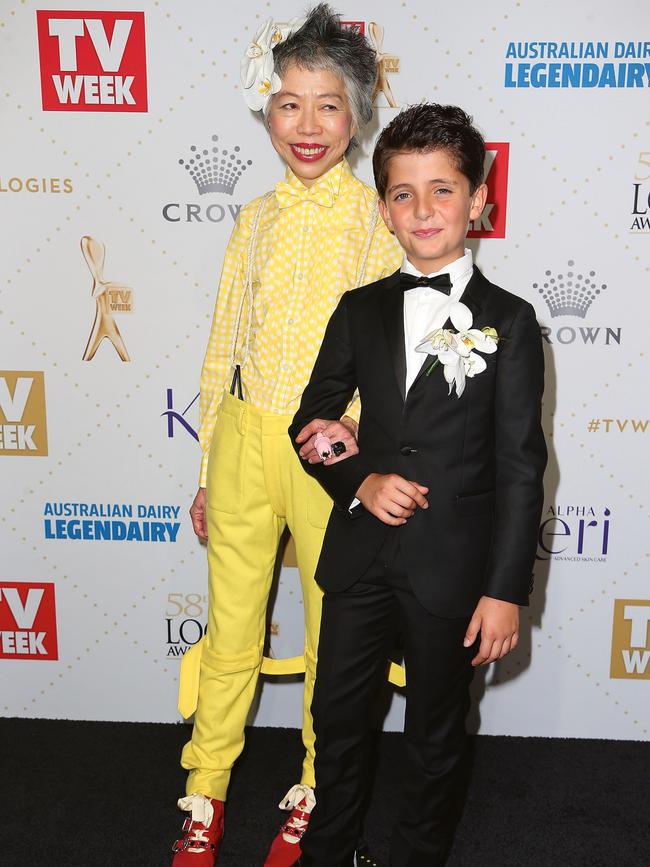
[(471, 298), (392, 312)]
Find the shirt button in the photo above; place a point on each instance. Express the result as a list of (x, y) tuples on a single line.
[(407, 450), (305, 228), (299, 275), (290, 321), (285, 366)]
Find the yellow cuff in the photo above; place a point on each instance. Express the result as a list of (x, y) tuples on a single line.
[(354, 408), (203, 476)]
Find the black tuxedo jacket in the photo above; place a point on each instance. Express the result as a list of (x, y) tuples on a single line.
[(482, 455)]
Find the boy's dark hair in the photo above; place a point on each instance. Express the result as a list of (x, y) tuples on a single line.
[(431, 127)]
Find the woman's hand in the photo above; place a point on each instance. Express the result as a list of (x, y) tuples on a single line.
[(343, 431), (197, 514)]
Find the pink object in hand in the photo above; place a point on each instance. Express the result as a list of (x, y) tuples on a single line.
[(323, 446)]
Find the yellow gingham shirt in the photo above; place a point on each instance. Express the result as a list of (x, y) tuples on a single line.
[(309, 250)]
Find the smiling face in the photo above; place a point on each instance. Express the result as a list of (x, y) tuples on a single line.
[(428, 206), (310, 122)]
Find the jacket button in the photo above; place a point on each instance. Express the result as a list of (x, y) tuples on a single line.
[(407, 450)]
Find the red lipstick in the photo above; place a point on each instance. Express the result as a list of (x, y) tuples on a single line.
[(308, 152)]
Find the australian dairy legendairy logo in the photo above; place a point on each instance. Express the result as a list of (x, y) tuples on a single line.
[(589, 64), (111, 522)]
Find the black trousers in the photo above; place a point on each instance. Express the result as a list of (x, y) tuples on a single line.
[(357, 631)]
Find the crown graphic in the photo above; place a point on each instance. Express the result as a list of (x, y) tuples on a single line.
[(215, 169), (569, 294)]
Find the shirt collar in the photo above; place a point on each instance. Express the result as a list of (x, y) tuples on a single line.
[(457, 270), (333, 181)]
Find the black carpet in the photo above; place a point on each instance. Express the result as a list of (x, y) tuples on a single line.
[(83, 794)]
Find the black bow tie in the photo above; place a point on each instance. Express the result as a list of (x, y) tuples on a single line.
[(441, 282)]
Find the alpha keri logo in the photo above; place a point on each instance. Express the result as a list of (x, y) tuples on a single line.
[(571, 292), (492, 222), (27, 621), (23, 426), (631, 639), (92, 61), (575, 533)]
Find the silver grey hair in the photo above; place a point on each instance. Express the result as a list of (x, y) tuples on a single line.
[(321, 43)]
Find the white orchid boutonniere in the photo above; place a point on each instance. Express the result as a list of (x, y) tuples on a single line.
[(258, 76), (455, 350)]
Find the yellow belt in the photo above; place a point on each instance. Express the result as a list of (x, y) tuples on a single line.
[(188, 690)]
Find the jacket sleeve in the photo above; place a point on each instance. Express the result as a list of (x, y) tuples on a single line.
[(329, 391), (520, 455)]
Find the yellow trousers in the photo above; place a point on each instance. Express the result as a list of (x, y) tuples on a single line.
[(256, 487)]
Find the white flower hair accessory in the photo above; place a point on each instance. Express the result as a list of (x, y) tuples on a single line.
[(259, 79)]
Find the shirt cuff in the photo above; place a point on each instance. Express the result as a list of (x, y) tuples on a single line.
[(203, 476), (354, 409)]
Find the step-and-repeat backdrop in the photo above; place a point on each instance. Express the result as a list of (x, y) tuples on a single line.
[(112, 238)]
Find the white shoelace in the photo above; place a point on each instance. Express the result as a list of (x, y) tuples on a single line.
[(202, 813), (294, 797)]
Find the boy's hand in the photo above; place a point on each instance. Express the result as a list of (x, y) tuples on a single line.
[(498, 623), (344, 431), (391, 498)]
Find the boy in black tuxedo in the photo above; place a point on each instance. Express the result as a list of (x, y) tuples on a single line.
[(436, 517)]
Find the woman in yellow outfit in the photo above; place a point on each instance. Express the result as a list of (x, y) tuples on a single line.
[(292, 254)]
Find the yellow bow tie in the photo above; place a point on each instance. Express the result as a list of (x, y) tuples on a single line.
[(287, 194)]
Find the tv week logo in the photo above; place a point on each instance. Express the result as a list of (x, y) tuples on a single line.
[(492, 222), (27, 621), (92, 61), (23, 425)]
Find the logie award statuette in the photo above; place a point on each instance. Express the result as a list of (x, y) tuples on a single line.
[(108, 297)]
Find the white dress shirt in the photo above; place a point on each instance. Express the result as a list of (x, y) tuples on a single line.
[(426, 309)]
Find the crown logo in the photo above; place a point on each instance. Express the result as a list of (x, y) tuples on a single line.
[(215, 170), (569, 294)]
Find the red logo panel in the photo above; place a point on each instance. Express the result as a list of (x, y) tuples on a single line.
[(27, 621), (358, 26), (92, 61), (492, 222)]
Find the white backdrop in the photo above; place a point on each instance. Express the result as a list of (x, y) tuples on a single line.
[(93, 628)]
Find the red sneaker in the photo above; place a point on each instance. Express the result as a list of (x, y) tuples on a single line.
[(202, 832), (285, 849)]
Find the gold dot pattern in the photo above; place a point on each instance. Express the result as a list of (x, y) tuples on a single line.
[(446, 68)]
